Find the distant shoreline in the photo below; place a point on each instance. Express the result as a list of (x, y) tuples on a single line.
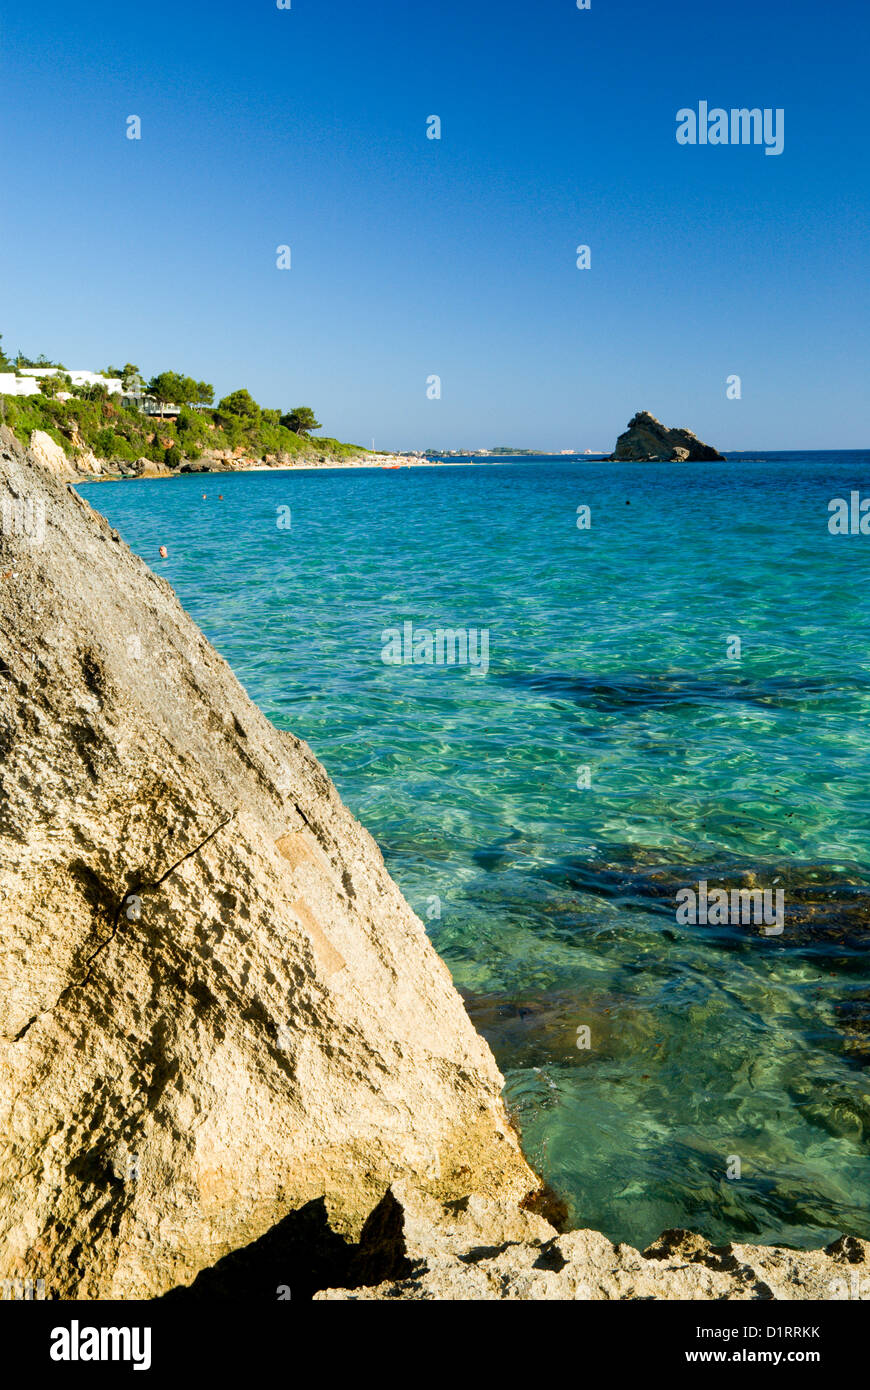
[(403, 461), (387, 462)]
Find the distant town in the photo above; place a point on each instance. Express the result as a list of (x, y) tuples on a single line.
[(505, 451)]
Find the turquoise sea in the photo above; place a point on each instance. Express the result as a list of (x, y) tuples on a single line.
[(611, 650)]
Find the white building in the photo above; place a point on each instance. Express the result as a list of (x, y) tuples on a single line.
[(113, 384), (12, 385), (25, 380)]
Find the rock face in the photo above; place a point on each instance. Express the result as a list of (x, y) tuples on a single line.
[(148, 468), (647, 440), (229, 1056), (46, 452), (412, 1248), (215, 1005)]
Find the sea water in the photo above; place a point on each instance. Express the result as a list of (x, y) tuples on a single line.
[(676, 693)]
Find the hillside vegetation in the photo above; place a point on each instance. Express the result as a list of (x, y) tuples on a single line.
[(92, 420)]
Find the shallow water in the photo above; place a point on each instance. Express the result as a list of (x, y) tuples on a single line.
[(608, 650)]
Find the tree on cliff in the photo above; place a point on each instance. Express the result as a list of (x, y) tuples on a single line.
[(175, 389), (5, 364), (204, 394), (51, 386), (239, 403), (302, 420), (129, 376)]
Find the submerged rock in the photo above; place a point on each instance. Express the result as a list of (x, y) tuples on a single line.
[(628, 694), (215, 1005), (648, 440)]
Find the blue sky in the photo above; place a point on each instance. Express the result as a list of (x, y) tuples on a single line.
[(412, 257)]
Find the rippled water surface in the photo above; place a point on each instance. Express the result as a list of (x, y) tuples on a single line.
[(608, 651)]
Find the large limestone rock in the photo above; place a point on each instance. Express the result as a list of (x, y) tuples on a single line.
[(648, 440), (215, 1005)]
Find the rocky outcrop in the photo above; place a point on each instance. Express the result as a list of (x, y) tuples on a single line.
[(149, 468), (82, 465), (647, 440), (215, 1005), (412, 1248), (50, 455), (229, 1057)]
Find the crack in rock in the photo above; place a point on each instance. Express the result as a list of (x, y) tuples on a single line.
[(132, 891)]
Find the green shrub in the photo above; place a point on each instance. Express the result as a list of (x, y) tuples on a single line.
[(94, 420), (103, 442)]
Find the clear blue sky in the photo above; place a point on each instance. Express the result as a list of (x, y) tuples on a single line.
[(414, 257)]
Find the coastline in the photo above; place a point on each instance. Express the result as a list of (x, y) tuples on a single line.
[(88, 468), (386, 462)]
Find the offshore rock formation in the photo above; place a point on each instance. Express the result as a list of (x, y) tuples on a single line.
[(215, 1005), (647, 440)]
